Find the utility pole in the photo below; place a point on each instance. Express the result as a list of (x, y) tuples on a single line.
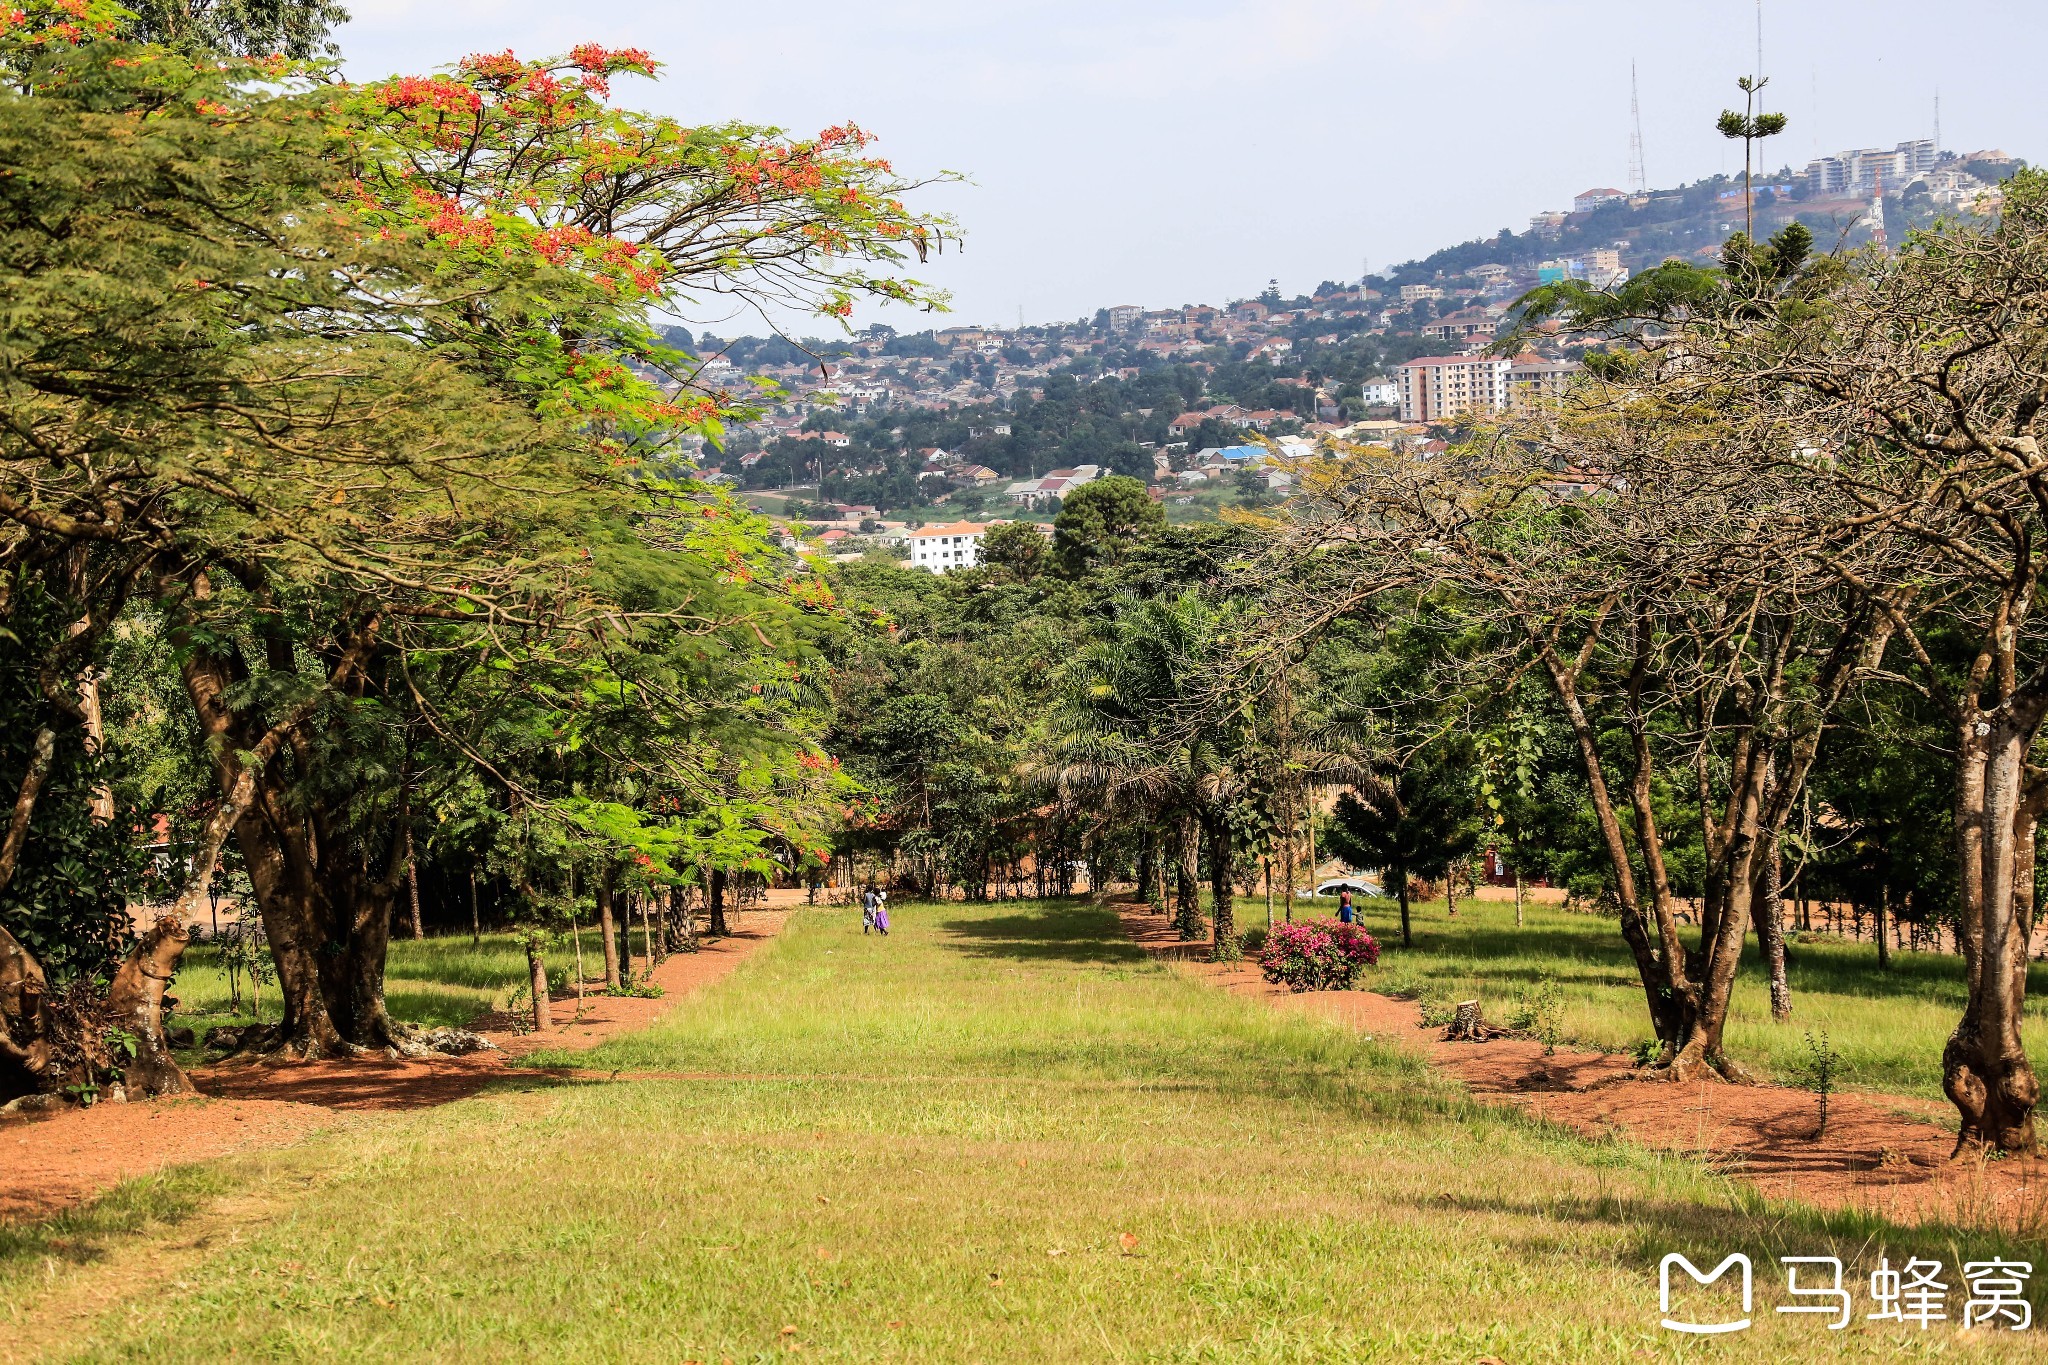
[(1638, 181)]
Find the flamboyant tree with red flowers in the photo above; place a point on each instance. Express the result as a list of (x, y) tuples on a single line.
[(353, 395)]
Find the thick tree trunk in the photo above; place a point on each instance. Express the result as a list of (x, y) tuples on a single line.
[(608, 931), (24, 1020), (135, 1004), (717, 903), (1984, 1065), (1146, 841), (326, 917)]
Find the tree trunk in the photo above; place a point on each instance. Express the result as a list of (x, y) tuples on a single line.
[(1187, 907), (476, 923), (537, 978), (24, 1019), (1770, 931), (1146, 840), (412, 884), (608, 931), (1521, 888), (1451, 889), (1287, 874), (1222, 891), (1984, 1064), (136, 1003), (1884, 939), (1401, 894), (326, 912), (1312, 864), (717, 903)]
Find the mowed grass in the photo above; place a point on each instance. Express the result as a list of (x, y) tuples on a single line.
[(1001, 1133)]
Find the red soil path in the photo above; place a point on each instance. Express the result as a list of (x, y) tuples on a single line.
[(52, 1164), (1880, 1152)]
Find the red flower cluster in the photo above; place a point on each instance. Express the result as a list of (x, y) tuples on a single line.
[(437, 92), (845, 133), (451, 224), (556, 243), (493, 65)]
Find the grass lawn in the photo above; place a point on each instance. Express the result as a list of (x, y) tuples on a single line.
[(1002, 1133), (1889, 1026)]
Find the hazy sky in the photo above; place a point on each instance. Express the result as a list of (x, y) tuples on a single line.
[(1175, 151)]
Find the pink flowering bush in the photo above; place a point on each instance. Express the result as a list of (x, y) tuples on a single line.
[(1322, 956)]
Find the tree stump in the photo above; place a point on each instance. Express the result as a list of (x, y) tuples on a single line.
[(1465, 1025)]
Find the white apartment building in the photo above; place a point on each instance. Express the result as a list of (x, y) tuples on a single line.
[(939, 549), (1861, 169), (1438, 388), (1380, 392)]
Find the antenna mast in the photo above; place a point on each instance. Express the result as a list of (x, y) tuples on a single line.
[(1638, 182)]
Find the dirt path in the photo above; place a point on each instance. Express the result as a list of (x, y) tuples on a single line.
[(1876, 1154), (55, 1163)]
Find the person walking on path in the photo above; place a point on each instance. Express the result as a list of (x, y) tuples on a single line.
[(1344, 911), (868, 902), (882, 913)]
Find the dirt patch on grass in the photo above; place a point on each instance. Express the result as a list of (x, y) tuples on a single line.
[(51, 1164), (59, 1161), (1882, 1153)]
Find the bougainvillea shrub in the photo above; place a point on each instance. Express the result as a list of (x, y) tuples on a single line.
[(1324, 956)]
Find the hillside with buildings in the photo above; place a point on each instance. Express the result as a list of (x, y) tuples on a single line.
[(877, 434)]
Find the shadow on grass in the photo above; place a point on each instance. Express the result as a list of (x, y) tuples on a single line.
[(1065, 933), (1763, 1228), (84, 1234)]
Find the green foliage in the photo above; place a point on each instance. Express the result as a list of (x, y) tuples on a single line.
[(1540, 1010), (1101, 522)]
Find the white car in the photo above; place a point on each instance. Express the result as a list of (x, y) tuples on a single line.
[(1357, 886)]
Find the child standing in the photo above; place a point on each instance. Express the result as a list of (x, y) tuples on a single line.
[(882, 912)]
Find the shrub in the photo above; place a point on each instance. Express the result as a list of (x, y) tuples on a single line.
[(1541, 1012), (1253, 941), (1317, 956), (1823, 1067)]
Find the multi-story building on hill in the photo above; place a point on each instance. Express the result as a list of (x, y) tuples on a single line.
[(938, 549), (1438, 388), (1859, 170)]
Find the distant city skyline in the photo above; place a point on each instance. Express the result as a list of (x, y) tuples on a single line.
[(1162, 154)]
